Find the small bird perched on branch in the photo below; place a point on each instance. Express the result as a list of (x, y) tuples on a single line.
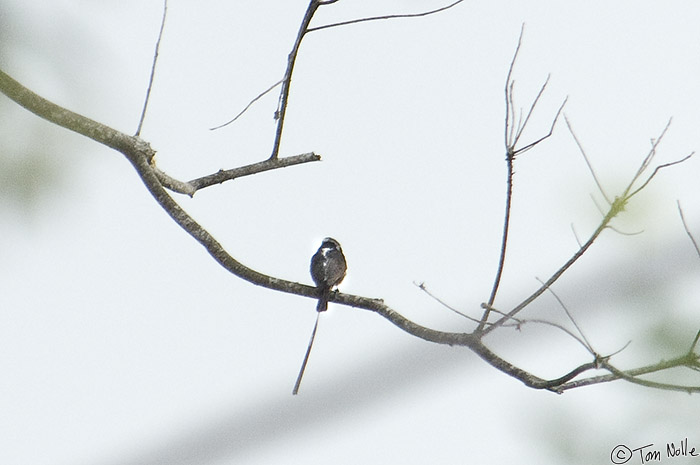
[(328, 268)]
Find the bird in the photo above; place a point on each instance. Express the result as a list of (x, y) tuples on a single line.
[(328, 267)]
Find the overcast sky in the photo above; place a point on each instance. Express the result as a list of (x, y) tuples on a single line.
[(123, 342)]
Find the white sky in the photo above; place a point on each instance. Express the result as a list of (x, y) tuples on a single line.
[(123, 342)]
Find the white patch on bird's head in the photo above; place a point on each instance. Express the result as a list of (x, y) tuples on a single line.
[(330, 243)]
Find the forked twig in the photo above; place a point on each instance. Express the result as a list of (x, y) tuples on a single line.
[(616, 207), (512, 133), (283, 101)]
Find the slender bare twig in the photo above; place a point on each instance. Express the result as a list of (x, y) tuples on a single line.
[(588, 163), (510, 112), (375, 18), (287, 79), (250, 104), (153, 69), (573, 230), (512, 133), (546, 136), (656, 170), (424, 288), (520, 128), (687, 231), (568, 314)]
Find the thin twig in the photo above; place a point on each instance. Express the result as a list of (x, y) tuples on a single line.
[(695, 343), (287, 80), (519, 323), (423, 288), (588, 162), (546, 136), (510, 112), (568, 313), (652, 152), (375, 18), (250, 104), (657, 169), (690, 235), (573, 230), (521, 126), (153, 69)]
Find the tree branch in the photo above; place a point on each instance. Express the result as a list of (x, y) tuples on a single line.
[(376, 18), (287, 80), (221, 176)]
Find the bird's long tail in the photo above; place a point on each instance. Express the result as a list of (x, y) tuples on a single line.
[(323, 300), (306, 357)]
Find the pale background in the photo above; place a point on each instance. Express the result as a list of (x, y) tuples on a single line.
[(123, 342)]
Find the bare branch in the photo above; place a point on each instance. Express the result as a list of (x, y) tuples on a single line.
[(689, 360), (512, 134), (375, 18), (287, 80), (70, 120), (153, 69), (616, 206), (221, 176)]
